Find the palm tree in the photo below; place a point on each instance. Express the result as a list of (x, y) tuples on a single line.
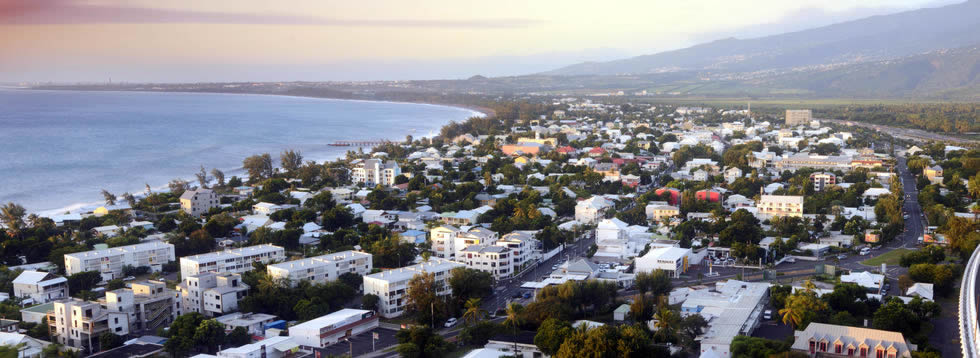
[(666, 321), (514, 319), (473, 311), (791, 317), (270, 284), (12, 216)]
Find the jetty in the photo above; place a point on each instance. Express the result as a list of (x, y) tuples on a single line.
[(359, 143)]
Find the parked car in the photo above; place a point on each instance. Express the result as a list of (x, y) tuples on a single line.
[(865, 251), (450, 322), (841, 256), (767, 315), (527, 295)]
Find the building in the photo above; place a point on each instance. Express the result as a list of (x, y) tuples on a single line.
[(271, 347), (822, 180), (333, 328), (733, 308), (198, 202), (324, 268), (590, 210), (798, 117), (780, 206), (391, 285), (448, 240), (212, 294), (27, 347), (525, 149), (254, 323), (110, 262), (522, 247), (235, 261), (674, 260), (496, 260), (373, 172), (143, 308), (40, 287), (732, 174), (870, 281), (822, 339), (934, 174), (505, 343)]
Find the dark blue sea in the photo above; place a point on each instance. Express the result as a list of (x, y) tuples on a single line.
[(59, 149)]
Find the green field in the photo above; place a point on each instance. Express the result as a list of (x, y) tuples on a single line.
[(891, 258)]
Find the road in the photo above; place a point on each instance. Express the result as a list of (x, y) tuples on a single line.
[(903, 133)]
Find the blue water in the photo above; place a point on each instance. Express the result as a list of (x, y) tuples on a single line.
[(59, 149)]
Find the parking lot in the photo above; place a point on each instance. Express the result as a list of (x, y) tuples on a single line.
[(361, 344)]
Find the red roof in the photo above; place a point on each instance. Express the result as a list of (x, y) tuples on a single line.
[(566, 149), (597, 150)]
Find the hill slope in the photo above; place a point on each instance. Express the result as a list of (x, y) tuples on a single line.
[(870, 39)]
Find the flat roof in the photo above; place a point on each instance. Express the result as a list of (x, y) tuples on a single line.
[(152, 245), (244, 251), (322, 259), (330, 319), (407, 272)]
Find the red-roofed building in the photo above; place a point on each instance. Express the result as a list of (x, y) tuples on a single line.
[(596, 152), (675, 195), (708, 195), (566, 150)]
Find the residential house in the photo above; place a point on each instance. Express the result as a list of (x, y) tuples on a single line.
[(198, 202), (40, 287), (822, 339)]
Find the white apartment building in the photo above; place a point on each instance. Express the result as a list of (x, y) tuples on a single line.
[(590, 210), (40, 287), (143, 308), (321, 269), (109, 262), (235, 260), (212, 294), (391, 285), (448, 241), (372, 172), (333, 328), (198, 202), (496, 260), (523, 248), (771, 206), (798, 117)]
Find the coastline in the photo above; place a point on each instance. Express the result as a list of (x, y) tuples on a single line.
[(318, 157)]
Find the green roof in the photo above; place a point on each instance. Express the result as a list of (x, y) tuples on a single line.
[(45, 308)]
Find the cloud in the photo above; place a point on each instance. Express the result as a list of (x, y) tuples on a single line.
[(68, 12)]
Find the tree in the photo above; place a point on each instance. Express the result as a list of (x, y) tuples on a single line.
[(83, 281), (336, 218), (181, 334), (219, 176), (110, 199), (467, 283), (291, 160), (238, 337), (753, 347), (258, 167), (370, 302), (109, 340), (514, 319), (130, 199), (178, 186), (13, 217), (202, 177), (551, 334), (641, 310), (220, 225), (210, 333), (690, 328), (423, 301), (473, 313), (656, 282), (421, 342)]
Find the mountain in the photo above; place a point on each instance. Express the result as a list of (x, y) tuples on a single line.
[(870, 39)]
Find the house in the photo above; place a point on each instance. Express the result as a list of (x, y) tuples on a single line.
[(415, 237), (934, 174), (266, 208), (198, 202), (212, 294), (372, 172), (27, 347), (919, 289), (590, 210), (525, 149), (379, 216), (822, 339), (732, 174), (391, 285), (699, 175), (333, 328), (504, 346), (40, 287), (870, 281), (661, 212)]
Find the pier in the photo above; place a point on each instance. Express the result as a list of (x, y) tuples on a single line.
[(359, 143)]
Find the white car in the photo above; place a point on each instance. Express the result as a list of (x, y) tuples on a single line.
[(450, 322)]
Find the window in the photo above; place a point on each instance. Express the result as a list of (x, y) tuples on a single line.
[(879, 353), (813, 346), (838, 348)]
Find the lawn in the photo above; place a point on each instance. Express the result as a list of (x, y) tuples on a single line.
[(891, 258)]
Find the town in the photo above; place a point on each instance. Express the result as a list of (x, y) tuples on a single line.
[(551, 227)]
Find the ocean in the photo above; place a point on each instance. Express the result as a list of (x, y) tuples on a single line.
[(59, 149)]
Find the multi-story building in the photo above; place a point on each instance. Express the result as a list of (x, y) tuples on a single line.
[(198, 202), (798, 117), (143, 308), (448, 241), (830, 340), (40, 287), (235, 261), (662, 212), (110, 262), (212, 294), (823, 162), (333, 328), (522, 247), (321, 269), (391, 285), (373, 172), (496, 260), (822, 180), (780, 206)]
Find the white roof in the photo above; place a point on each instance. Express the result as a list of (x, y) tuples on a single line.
[(864, 279), (923, 290), (329, 320), (244, 251), (37, 277), (406, 273), (146, 246), (486, 353), (667, 253)]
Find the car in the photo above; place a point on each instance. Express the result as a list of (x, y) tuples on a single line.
[(450, 322), (767, 315), (527, 295), (841, 256), (865, 251)]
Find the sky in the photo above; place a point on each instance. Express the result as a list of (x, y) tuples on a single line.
[(321, 40)]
